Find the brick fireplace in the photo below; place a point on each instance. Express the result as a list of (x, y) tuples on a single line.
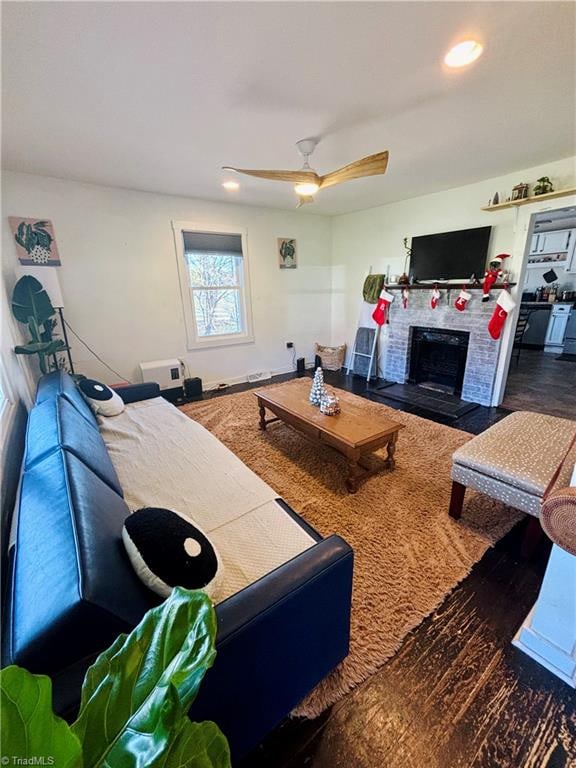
[(481, 355)]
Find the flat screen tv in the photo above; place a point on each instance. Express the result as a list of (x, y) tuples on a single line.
[(450, 255)]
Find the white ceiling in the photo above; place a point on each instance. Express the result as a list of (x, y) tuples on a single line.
[(158, 96)]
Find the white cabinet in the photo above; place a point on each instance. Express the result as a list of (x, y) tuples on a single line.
[(556, 330), (551, 242)]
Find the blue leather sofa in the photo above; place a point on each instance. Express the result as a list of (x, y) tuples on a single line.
[(71, 589)]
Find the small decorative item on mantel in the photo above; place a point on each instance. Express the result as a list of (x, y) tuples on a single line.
[(405, 297), (404, 279), (543, 186), (329, 404), (520, 191), (318, 390), (495, 199), (492, 274)]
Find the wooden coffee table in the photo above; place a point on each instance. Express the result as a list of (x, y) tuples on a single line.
[(352, 432)]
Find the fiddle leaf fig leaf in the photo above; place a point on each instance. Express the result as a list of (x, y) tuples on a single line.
[(197, 745), (138, 692), (41, 347), (30, 730), (29, 299)]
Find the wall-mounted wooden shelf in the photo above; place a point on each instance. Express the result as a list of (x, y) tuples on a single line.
[(533, 199), (445, 286)]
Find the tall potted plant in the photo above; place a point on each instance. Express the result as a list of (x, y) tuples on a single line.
[(31, 305), (135, 700)]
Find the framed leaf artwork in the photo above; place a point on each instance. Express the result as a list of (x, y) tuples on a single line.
[(287, 254), (35, 242)]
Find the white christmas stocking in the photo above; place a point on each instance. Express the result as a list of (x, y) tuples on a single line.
[(504, 306), (380, 314), (463, 299)]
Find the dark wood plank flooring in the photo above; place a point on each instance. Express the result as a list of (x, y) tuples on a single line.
[(457, 694), (540, 382)]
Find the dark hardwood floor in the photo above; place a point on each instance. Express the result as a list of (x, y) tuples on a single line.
[(541, 382), (457, 694)]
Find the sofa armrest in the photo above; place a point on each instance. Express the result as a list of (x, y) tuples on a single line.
[(131, 393), (276, 640)]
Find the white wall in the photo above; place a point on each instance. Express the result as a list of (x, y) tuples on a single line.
[(374, 237), (120, 282), (17, 382)]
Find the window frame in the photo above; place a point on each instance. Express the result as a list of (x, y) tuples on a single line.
[(193, 338)]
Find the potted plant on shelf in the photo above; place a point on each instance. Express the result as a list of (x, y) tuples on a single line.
[(543, 186), (135, 700), (31, 305)]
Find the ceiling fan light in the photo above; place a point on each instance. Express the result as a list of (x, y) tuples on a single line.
[(463, 54), (308, 188)]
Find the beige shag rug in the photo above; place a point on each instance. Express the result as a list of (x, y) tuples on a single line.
[(408, 553)]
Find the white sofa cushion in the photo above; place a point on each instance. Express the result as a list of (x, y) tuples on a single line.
[(165, 459)]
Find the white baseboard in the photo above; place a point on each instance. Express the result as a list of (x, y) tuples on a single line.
[(542, 650), (548, 633), (210, 385)]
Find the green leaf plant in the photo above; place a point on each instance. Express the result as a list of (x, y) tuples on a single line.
[(31, 305), (135, 700)]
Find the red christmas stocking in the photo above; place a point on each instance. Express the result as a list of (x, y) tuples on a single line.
[(380, 314), (504, 306), (434, 298), (463, 299)]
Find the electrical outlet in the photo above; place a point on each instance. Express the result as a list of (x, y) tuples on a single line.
[(289, 345)]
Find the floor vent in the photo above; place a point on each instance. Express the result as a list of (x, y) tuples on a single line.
[(259, 376)]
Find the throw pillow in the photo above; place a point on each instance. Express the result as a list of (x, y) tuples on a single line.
[(103, 400), (168, 551)]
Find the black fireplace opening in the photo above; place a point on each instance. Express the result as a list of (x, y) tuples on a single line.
[(438, 359)]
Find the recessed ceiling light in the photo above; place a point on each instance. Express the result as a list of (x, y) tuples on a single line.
[(463, 54), (231, 186)]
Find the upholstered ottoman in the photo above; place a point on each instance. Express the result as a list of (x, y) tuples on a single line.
[(516, 461)]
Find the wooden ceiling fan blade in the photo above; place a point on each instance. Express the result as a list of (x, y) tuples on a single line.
[(304, 199), (373, 165), (295, 177)]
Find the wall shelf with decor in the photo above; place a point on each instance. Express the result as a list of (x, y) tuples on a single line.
[(446, 286), (532, 199)]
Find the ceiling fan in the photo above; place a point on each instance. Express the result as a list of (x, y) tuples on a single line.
[(307, 182)]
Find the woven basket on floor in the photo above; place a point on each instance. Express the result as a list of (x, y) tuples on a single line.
[(332, 357)]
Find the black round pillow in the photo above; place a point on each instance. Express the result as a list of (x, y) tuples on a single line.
[(101, 398), (168, 551)]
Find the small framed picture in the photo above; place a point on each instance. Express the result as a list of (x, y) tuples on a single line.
[(35, 242), (287, 253)]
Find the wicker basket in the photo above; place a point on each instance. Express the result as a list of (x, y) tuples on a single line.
[(332, 357)]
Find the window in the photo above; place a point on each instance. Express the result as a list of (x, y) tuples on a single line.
[(214, 285)]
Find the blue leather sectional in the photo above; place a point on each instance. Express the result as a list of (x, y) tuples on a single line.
[(71, 589)]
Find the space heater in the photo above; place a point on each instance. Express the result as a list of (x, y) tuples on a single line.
[(169, 374)]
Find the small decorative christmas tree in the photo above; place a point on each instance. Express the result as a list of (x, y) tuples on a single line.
[(317, 390)]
